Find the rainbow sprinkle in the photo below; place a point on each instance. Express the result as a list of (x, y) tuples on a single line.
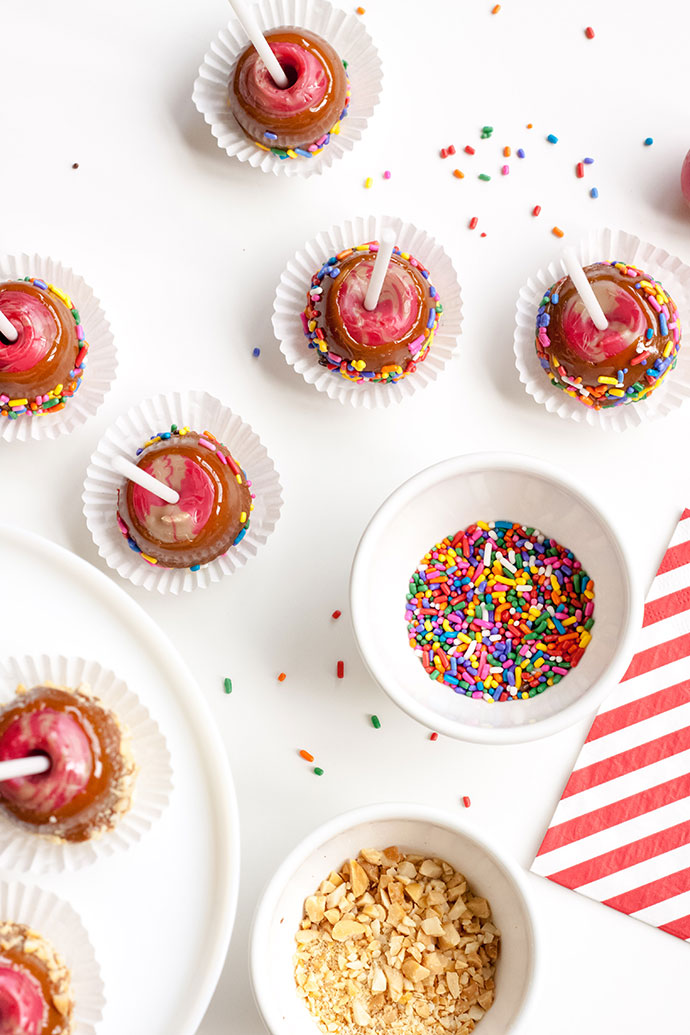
[(311, 317), (223, 453), (314, 149), (54, 400), (499, 612), (608, 391)]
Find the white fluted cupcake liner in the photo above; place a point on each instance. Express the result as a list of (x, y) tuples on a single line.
[(199, 411), (350, 40), (291, 299), (21, 849), (606, 245), (101, 361), (57, 922)]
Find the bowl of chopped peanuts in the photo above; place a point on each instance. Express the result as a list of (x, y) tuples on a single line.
[(394, 919)]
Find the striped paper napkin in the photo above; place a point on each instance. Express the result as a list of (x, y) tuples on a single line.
[(621, 831)]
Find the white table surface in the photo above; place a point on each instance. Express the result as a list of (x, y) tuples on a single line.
[(184, 247)]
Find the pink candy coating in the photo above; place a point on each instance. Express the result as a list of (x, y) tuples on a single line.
[(308, 78), (627, 322), (36, 328), (397, 310), (181, 521), (59, 736), (22, 1006)]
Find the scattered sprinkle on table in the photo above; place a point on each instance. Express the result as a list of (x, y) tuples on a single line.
[(482, 235), (318, 771), (444, 152), (466, 801), (588, 161), (256, 352), (520, 153), (227, 685), (281, 677), (433, 736), (505, 169), (552, 138), (469, 150), (589, 32), (458, 175), (648, 141), (376, 722), (336, 615), (473, 222), (368, 182), (580, 170), (340, 669), (75, 165), (594, 193), (496, 9), (557, 232), (499, 611), (529, 125), (306, 756), (536, 210), (387, 174), (506, 152), (484, 176), (486, 132), (360, 10)]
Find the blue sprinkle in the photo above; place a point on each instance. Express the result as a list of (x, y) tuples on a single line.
[(552, 139), (40, 284), (432, 317), (241, 535), (256, 352), (554, 298), (649, 141), (594, 193), (649, 333), (662, 324), (588, 161), (333, 272), (166, 434), (520, 153), (270, 136), (301, 151), (195, 567)]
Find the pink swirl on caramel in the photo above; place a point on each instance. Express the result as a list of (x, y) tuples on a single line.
[(181, 521), (627, 323), (309, 81), (22, 1007), (36, 327), (59, 736), (396, 312)]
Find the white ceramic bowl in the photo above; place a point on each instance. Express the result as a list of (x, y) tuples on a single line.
[(443, 499), (414, 828)]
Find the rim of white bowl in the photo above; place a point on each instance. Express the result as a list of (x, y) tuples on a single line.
[(260, 975), (589, 702)]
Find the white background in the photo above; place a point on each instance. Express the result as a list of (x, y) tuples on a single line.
[(184, 247)]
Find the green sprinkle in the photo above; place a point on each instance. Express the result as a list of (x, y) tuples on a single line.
[(75, 314), (173, 429), (483, 176), (50, 404), (376, 722), (227, 683), (317, 771)]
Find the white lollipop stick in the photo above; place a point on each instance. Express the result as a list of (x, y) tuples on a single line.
[(146, 481), (28, 766), (584, 289), (378, 274), (7, 329), (251, 27)]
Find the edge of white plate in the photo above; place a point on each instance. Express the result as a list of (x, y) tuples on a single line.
[(198, 716)]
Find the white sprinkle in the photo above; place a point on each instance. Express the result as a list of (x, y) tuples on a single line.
[(470, 650), (487, 555)]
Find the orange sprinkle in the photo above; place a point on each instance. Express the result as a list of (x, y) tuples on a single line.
[(360, 10), (529, 125), (496, 9), (557, 232), (281, 677), (458, 175), (306, 756), (506, 152)]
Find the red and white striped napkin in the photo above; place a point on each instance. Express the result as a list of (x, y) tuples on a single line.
[(621, 831)]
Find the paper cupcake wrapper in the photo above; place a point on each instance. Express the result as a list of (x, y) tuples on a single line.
[(57, 922), (198, 411), (101, 361), (23, 850), (291, 298), (608, 245), (349, 38)]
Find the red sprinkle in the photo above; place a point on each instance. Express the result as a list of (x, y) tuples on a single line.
[(281, 677), (580, 170), (433, 736), (466, 802), (469, 150), (482, 235), (536, 210), (444, 153), (473, 222), (589, 32), (336, 614), (341, 669), (306, 756), (451, 149)]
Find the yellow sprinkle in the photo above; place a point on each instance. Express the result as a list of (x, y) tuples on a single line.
[(239, 478), (368, 182), (518, 676), (336, 129), (263, 148), (615, 391), (151, 560), (404, 255), (359, 364), (18, 402), (243, 517), (667, 350), (290, 153), (323, 347), (607, 380), (585, 638), (484, 528), (61, 295)]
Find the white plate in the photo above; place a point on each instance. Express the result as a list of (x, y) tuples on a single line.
[(160, 915)]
